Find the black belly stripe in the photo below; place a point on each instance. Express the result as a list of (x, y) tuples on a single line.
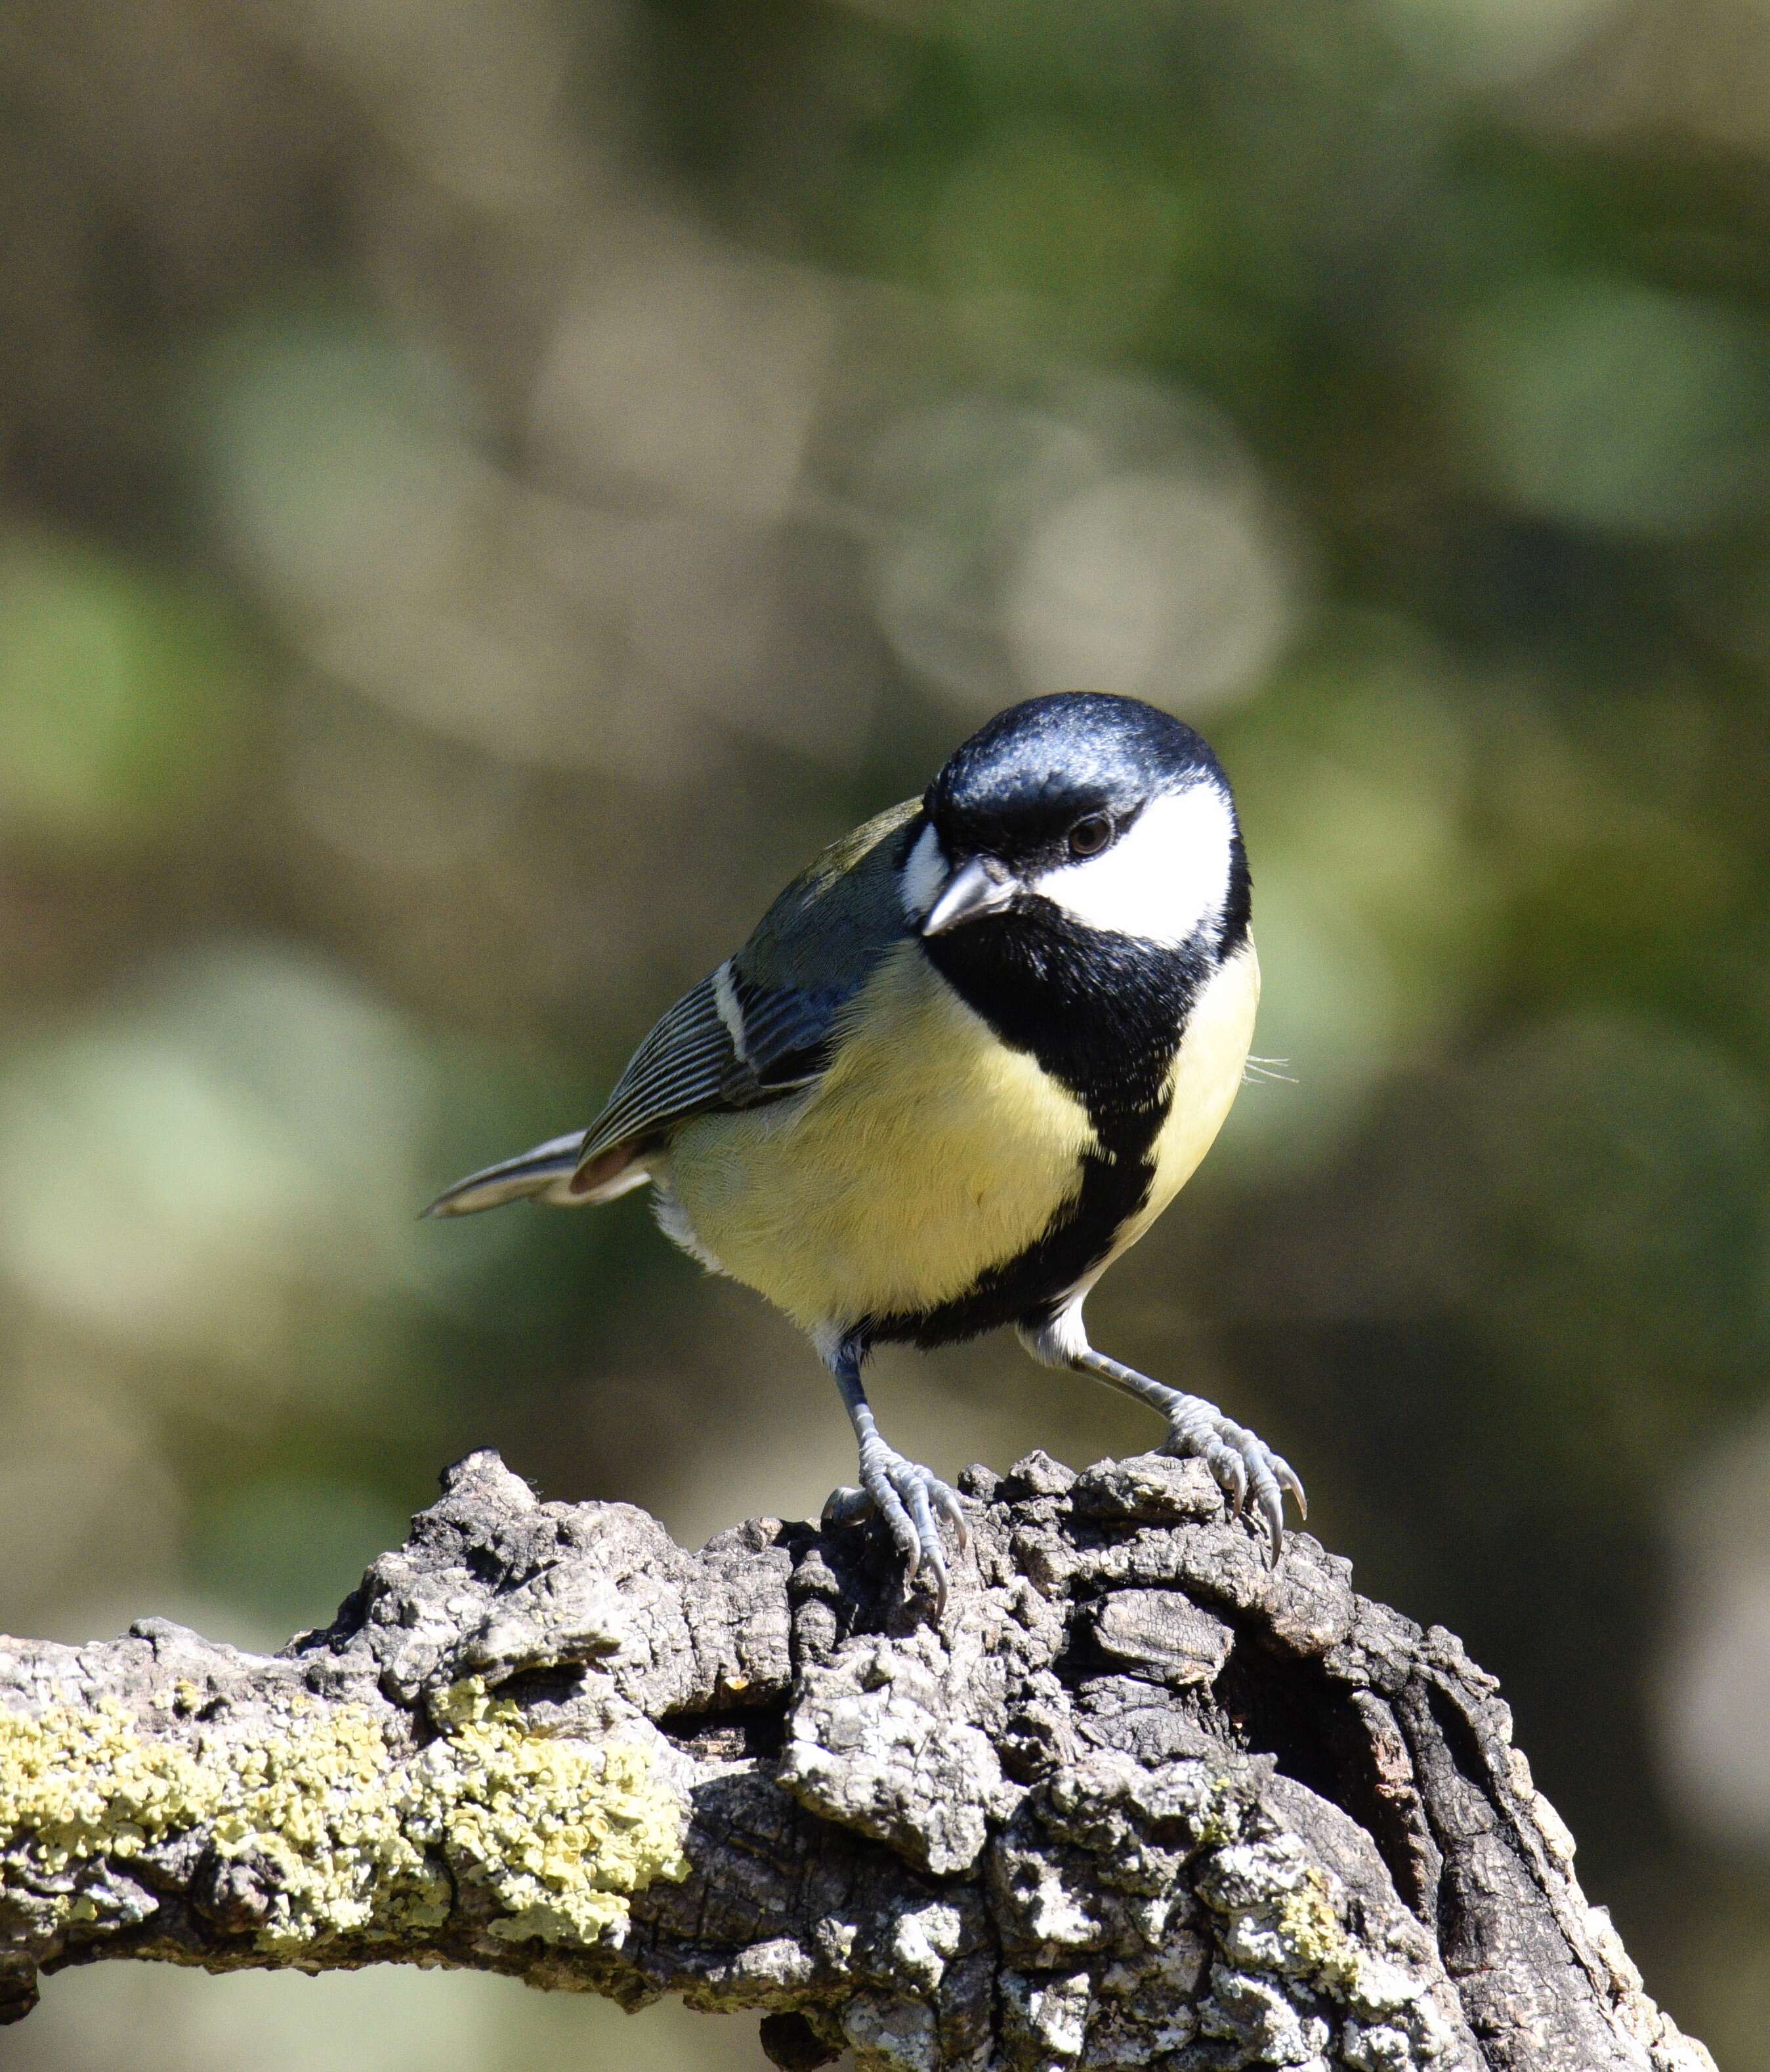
[(1104, 1015), (1032, 1285)]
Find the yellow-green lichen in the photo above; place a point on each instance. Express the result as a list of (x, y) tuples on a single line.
[(77, 1784), (1217, 1819), (349, 1835), (1309, 1923), (561, 1831)]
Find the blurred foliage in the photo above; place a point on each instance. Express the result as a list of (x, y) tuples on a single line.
[(486, 489)]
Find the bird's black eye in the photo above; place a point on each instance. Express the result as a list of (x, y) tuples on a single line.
[(1090, 835)]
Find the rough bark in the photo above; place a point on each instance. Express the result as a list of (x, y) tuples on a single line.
[(1135, 1801)]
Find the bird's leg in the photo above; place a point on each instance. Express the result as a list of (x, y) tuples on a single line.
[(1246, 1469), (906, 1496)]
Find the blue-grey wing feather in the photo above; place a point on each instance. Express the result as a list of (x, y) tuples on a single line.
[(761, 1027), (686, 1064)]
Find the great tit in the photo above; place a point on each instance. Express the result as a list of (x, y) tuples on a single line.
[(966, 1060)]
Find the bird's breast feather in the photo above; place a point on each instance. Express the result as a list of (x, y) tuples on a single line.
[(928, 1152)]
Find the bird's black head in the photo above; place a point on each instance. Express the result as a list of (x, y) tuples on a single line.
[(1019, 785), (1114, 815)]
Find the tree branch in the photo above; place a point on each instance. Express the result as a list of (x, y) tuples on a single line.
[(1137, 1803)]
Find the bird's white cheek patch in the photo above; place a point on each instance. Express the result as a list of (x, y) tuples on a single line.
[(1165, 876), (925, 875)]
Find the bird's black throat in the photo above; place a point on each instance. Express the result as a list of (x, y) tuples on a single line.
[(1104, 1015)]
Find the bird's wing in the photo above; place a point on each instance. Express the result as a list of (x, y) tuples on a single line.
[(761, 1027)]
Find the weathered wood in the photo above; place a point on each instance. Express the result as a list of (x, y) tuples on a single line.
[(1136, 1801)]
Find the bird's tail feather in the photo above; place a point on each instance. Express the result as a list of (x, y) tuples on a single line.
[(544, 1174)]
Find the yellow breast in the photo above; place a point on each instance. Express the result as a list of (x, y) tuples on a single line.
[(1208, 1070), (928, 1152)]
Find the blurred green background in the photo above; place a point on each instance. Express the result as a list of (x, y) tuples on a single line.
[(487, 486)]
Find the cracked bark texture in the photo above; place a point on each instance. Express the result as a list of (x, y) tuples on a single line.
[(1135, 1802)]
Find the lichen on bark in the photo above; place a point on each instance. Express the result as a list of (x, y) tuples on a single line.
[(1133, 1801), (323, 1822)]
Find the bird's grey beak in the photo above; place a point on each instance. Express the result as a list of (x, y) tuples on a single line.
[(978, 887)]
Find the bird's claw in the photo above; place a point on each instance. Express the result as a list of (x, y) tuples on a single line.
[(910, 1498), (1247, 1471)]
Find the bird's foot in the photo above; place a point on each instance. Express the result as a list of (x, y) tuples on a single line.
[(911, 1499), (1247, 1471)]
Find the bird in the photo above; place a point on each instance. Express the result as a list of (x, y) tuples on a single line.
[(963, 1063)]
